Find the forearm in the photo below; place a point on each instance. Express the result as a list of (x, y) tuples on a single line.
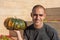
[(19, 36)]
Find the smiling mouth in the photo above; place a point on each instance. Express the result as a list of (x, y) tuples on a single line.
[(37, 21)]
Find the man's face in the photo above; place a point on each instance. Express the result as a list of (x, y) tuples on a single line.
[(38, 16)]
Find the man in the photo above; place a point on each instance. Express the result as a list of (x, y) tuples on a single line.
[(38, 30)]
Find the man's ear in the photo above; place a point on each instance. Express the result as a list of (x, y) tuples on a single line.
[(31, 14), (44, 15)]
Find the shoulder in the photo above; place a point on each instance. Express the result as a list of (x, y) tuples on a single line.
[(51, 32), (49, 29), (28, 30), (30, 27)]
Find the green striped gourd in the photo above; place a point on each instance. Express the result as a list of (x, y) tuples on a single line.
[(15, 24)]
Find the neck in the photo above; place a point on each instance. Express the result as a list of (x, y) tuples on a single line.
[(38, 26)]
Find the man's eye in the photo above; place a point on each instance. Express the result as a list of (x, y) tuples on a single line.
[(40, 14), (35, 14)]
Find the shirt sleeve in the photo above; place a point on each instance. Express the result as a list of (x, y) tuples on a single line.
[(55, 36)]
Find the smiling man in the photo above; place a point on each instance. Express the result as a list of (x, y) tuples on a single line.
[(38, 15), (39, 30)]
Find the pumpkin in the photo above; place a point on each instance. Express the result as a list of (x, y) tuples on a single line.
[(14, 24)]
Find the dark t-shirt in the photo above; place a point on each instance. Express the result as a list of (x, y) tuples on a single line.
[(45, 33)]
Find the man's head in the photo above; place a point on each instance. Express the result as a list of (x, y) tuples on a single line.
[(38, 14)]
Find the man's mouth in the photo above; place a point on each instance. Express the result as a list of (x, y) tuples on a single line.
[(37, 21)]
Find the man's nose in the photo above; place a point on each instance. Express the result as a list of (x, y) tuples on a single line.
[(37, 17)]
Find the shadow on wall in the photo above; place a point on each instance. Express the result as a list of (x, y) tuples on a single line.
[(53, 19), (53, 14)]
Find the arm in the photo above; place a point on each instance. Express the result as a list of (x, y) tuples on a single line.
[(19, 36), (55, 36)]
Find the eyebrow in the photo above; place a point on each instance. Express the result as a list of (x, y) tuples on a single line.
[(38, 14)]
